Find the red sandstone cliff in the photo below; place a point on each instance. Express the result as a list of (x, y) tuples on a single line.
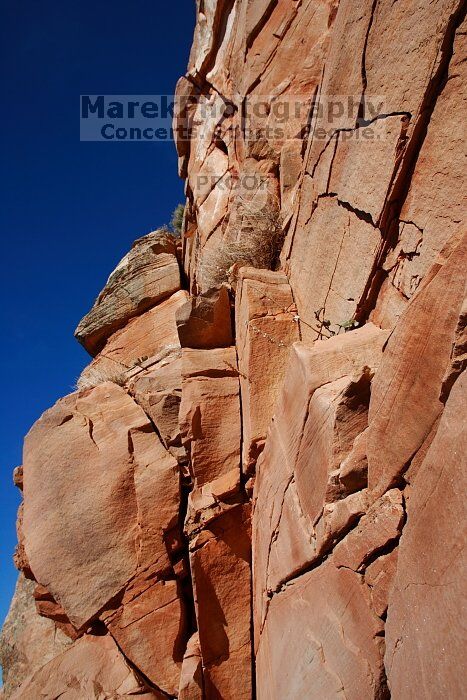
[(257, 489)]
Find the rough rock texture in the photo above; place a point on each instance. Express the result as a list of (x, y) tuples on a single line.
[(157, 388), (424, 643), (220, 564), (28, 640), (145, 276), (322, 409), (148, 337), (191, 677), (266, 327), (210, 413), (205, 322), (92, 668), (105, 551), (407, 398), (321, 640), (257, 490), (149, 628), (93, 542)]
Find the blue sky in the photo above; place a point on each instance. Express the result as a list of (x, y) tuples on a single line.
[(70, 210)]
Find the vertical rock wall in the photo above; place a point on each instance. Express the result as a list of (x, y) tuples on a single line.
[(257, 488)]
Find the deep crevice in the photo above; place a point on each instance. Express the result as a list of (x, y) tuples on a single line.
[(361, 108), (186, 584), (387, 548), (261, 24), (222, 14), (142, 678), (359, 213)]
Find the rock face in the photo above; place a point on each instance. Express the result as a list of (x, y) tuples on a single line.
[(210, 413), (92, 667), (220, 564), (431, 560), (256, 490), (266, 327), (340, 648), (28, 640), (149, 337), (145, 276)]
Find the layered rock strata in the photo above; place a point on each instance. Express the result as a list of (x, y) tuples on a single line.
[(257, 488)]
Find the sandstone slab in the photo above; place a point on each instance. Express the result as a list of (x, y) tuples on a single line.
[(144, 277), (266, 327), (191, 678), (220, 559), (150, 630), (314, 512), (321, 640), (431, 215), (204, 321), (91, 668), (210, 412), (153, 334), (424, 637), (364, 164), (318, 417), (94, 539), (380, 527), (157, 388), (379, 576), (210, 16), (327, 288), (405, 400), (404, 52)]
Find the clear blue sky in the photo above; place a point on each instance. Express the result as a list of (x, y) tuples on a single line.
[(70, 210)]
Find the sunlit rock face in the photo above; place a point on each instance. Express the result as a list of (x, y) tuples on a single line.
[(256, 490), (145, 276)]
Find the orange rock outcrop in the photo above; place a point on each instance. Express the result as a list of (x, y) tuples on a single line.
[(257, 489)]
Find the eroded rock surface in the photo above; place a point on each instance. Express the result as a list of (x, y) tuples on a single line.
[(220, 557), (28, 640), (92, 667), (210, 413), (96, 538), (145, 276), (257, 490), (321, 639), (266, 327), (422, 631)]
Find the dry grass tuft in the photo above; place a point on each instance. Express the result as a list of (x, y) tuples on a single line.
[(93, 376), (258, 246)]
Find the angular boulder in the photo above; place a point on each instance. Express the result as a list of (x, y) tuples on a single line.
[(28, 641), (151, 335), (266, 327), (145, 276), (205, 321), (94, 464), (210, 413)]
